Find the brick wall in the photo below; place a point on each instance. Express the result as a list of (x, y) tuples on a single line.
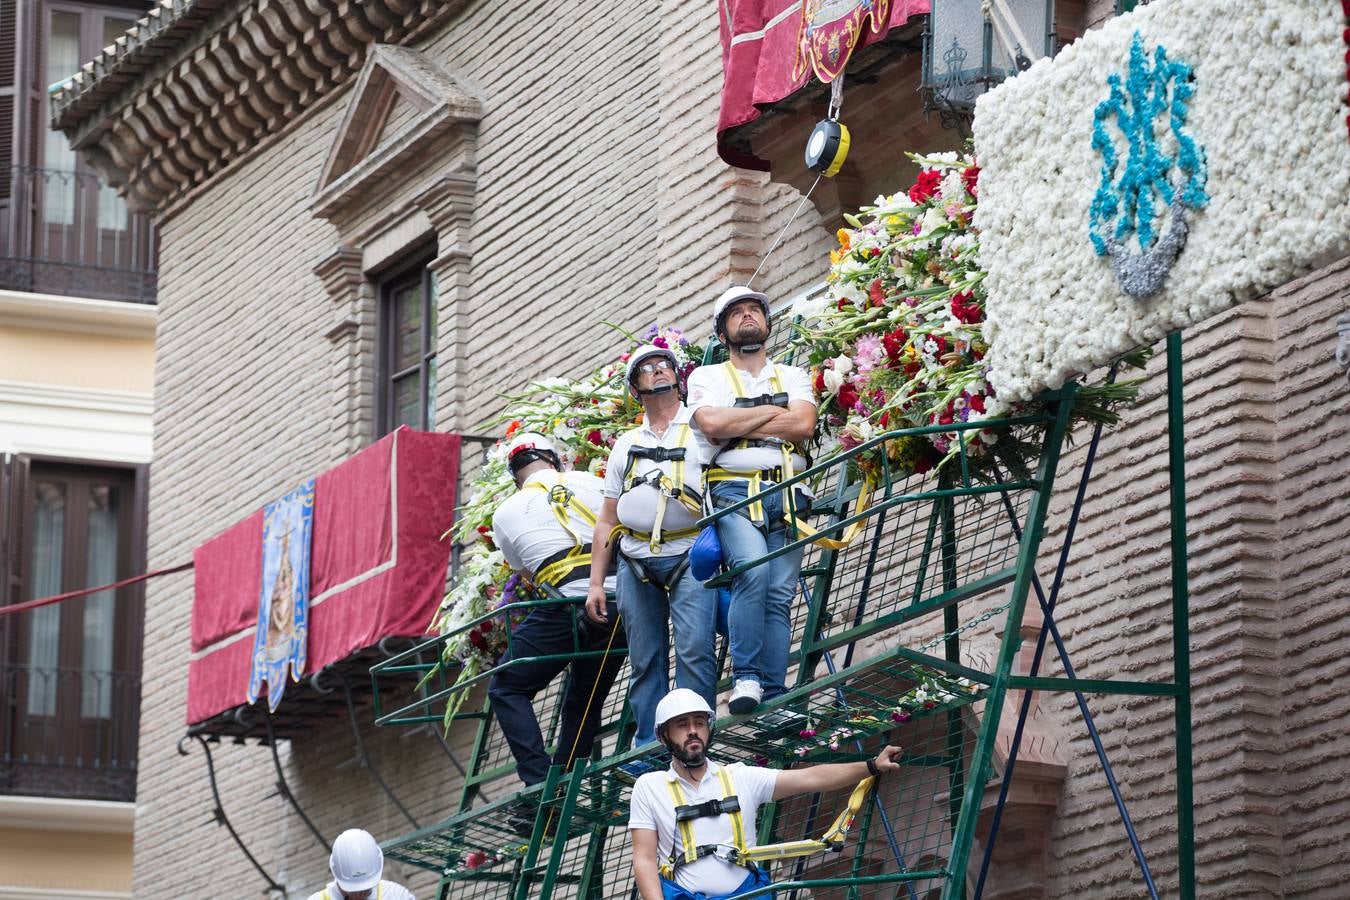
[(601, 198), (564, 236)]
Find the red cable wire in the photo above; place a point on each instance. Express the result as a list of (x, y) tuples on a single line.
[(71, 595)]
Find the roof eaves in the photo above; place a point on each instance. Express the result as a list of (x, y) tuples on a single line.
[(149, 39)]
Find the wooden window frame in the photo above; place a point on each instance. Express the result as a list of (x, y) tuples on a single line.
[(410, 269)]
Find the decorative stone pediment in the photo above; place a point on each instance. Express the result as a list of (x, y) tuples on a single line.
[(365, 156)]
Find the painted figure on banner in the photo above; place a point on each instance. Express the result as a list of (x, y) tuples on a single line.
[(831, 29), (279, 645)]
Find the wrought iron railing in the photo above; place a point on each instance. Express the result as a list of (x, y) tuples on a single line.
[(68, 233), (68, 732)]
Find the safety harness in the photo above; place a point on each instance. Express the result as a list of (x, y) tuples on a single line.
[(668, 487), (753, 479), (779, 473), (685, 851), (572, 563)]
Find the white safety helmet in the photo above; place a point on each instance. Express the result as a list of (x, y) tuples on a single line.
[(528, 447), (356, 861), (680, 702), (646, 352), (735, 295)]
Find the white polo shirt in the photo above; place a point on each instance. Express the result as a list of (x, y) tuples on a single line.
[(526, 531), (637, 507), (653, 809), (710, 386), (387, 890)]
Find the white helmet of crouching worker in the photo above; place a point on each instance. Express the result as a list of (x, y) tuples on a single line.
[(357, 862), (647, 353), (730, 296), (528, 447), (682, 702)]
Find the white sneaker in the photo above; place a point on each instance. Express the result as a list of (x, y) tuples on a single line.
[(745, 696)]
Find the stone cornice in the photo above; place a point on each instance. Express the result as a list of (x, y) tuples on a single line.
[(198, 83), (19, 309)]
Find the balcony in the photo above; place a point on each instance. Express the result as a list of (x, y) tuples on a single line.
[(68, 233), (68, 732)]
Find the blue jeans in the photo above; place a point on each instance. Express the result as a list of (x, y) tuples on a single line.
[(760, 621), (645, 608)]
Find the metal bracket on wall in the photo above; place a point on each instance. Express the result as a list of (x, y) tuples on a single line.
[(283, 789), (273, 886), (362, 757)]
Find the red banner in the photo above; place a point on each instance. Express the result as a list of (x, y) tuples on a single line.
[(770, 48), (377, 566)]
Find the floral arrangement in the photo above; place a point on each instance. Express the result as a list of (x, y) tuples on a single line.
[(931, 692), (898, 340), (1055, 307), (582, 418)]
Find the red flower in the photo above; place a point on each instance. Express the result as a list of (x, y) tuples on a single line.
[(595, 437), (841, 303), (971, 178), (925, 186), (885, 419), (965, 309), (922, 464), (894, 342), (875, 292), (977, 402), (848, 396), (819, 381)]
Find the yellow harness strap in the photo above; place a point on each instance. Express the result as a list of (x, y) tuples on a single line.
[(564, 503), (832, 839), (668, 486)]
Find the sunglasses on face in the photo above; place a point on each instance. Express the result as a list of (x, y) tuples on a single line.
[(661, 365)]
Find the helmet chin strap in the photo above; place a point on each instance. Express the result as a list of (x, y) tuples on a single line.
[(663, 389), (747, 348)]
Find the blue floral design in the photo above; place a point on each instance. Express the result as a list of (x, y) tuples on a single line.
[(1126, 202)]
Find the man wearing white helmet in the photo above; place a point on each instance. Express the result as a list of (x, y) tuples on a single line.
[(653, 497), (543, 531), (690, 824), (357, 864), (756, 413)]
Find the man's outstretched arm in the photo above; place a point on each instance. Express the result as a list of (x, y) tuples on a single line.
[(830, 776)]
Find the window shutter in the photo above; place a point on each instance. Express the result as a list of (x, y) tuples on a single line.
[(9, 61)]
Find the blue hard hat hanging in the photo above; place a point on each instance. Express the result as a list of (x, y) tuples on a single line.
[(827, 148)]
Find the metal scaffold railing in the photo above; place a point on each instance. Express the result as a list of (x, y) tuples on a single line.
[(905, 635)]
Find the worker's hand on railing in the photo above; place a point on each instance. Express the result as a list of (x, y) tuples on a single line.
[(596, 602), (886, 759)]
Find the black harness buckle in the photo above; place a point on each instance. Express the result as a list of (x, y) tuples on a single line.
[(659, 454), (707, 808), (778, 399)]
